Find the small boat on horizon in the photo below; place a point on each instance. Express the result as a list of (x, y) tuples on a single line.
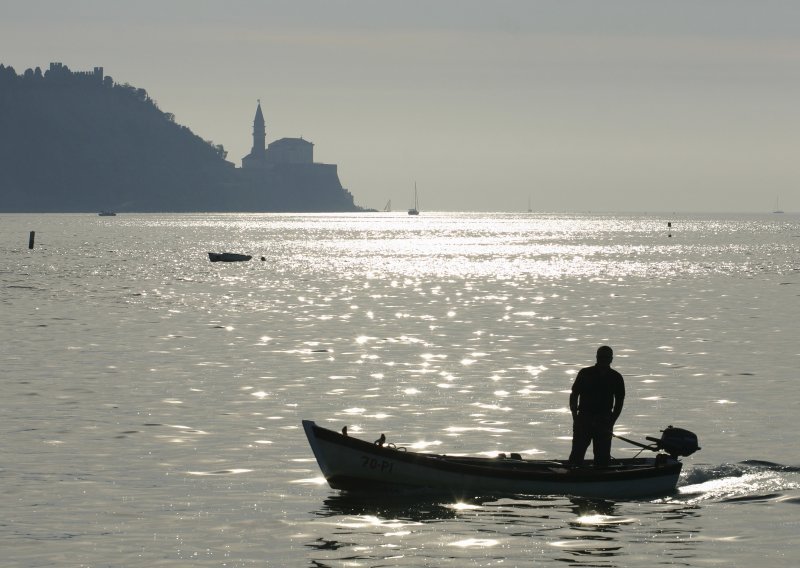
[(107, 214), (415, 210), (777, 206)]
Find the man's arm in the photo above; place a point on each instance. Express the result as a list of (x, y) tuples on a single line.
[(575, 395), (619, 400), (573, 404)]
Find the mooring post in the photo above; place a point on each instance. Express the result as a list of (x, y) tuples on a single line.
[(669, 228), (30, 239)]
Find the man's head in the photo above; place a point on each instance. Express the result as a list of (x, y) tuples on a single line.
[(605, 355)]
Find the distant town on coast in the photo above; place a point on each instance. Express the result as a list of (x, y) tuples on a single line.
[(77, 141)]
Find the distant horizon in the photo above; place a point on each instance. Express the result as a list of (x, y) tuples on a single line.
[(403, 212)]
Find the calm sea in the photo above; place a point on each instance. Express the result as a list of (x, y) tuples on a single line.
[(151, 400)]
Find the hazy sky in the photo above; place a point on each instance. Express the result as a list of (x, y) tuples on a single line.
[(592, 105)]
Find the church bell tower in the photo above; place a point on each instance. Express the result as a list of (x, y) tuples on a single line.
[(259, 133), (258, 154)]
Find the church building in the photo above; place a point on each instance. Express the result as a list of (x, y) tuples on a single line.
[(283, 151)]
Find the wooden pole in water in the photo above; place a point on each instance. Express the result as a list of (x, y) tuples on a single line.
[(30, 239), (669, 227)]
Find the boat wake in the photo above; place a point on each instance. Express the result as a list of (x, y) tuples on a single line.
[(751, 480)]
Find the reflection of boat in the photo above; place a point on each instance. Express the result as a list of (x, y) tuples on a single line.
[(352, 464), (415, 210), (397, 506), (228, 257), (107, 214)]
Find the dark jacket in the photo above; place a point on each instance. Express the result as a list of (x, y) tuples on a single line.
[(597, 390)]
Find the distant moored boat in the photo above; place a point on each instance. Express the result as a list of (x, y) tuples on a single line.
[(107, 214), (415, 210), (228, 257)]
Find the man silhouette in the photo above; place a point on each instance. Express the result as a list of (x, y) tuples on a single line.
[(595, 402)]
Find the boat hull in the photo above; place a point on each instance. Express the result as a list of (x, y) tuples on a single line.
[(228, 257), (352, 464)]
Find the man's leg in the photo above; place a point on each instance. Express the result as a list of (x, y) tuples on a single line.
[(601, 441), (581, 438)]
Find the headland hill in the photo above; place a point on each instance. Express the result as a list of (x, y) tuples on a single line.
[(77, 141)]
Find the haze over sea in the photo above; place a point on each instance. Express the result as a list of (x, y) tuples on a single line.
[(152, 400)]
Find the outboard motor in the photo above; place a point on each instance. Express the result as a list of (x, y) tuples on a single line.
[(676, 442)]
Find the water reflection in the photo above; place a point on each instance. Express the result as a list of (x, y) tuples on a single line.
[(387, 507), (459, 335), (577, 531), (584, 507)]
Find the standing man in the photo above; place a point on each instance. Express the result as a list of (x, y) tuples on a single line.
[(595, 402)]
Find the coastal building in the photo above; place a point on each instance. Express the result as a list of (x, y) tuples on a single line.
[(284, 174), (283, 151), (59, 70), (290, 151)]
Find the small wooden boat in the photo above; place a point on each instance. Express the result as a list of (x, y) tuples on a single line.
[(352, 464), (228, 257)]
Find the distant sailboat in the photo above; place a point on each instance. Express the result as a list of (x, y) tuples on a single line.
[(415, 210), (529, 205), (388, 206), (777, 206)]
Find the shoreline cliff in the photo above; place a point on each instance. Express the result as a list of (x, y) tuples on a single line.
[(80, 142)]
